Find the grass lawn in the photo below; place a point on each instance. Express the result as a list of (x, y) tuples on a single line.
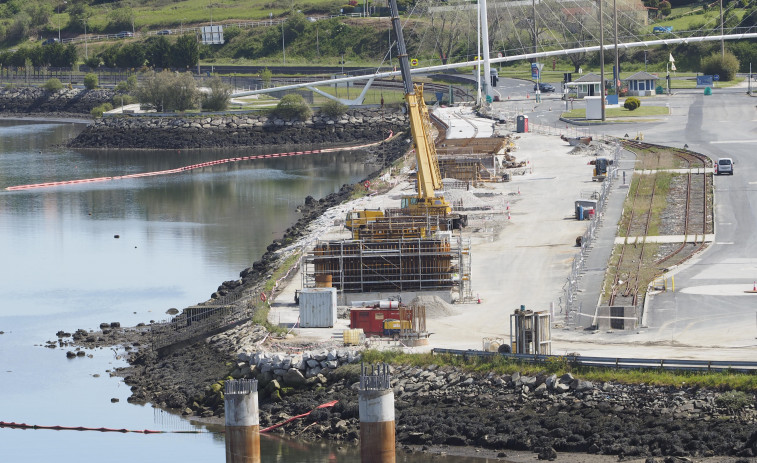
[(620, 112), (707, 20)]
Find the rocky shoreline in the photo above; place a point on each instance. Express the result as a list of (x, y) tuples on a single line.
[(239, 130), (443, 406), (62, 103)]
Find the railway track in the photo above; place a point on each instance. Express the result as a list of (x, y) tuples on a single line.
[(638, 264)]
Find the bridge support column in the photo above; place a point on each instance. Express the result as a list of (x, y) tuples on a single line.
[(376, 403), (242, 421)]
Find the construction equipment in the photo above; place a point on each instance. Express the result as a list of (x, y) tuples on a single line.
[(429, 178), (600, 169)]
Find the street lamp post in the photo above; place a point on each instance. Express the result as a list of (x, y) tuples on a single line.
[(59, 20), (283, 45), (86, 54)]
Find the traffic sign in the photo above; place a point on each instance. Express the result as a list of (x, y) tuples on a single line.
[(499, 54), (414, 62)]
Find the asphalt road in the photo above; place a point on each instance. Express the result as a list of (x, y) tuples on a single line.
[(709, 306)]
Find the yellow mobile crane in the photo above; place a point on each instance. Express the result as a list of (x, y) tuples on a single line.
[(425, 202), (429, 177)]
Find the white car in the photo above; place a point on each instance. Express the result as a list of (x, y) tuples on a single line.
[(724, 166)]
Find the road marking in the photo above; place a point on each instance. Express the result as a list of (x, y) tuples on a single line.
[(724, 242), (723, 142)]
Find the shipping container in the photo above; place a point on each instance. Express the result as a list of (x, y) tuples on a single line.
[(372, 320), (318, 307)]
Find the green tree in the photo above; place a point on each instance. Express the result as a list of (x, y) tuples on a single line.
[(90, 81), (158, 52), (78, 13), (665, 7), (93, 62), (131, 55), (186, 52), (217, 99), (121, 19), (293, 106), (725, 66), (109, 55), (168, 91), (266, 75)]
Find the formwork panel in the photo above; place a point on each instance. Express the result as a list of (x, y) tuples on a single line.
[(387, 265)]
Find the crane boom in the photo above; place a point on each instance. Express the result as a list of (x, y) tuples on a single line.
[(429, 176)]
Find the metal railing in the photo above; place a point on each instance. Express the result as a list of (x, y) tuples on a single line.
[(570, 304), (615, 362)]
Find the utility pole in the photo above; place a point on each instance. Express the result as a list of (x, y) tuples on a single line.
[(283, 47), (86, 54), (602, 59), (722, 41), (485, 42), (533, 15), (617, 58)]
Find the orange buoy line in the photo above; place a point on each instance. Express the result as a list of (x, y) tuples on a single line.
[(190, 167), (11, 424)]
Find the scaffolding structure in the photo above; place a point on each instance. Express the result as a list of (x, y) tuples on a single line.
[(406, 264), (397, 224)]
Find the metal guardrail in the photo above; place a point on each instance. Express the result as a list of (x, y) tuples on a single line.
[(572, 306), (619, 362)]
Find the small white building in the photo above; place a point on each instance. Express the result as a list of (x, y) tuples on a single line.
[(641, 84), (586, 85)]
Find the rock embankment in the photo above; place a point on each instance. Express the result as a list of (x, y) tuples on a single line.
[(35, 100), (545, 414), (445, 406), (243, 130)]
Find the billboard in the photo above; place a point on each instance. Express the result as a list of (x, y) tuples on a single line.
[(704, 81), (212, 35)]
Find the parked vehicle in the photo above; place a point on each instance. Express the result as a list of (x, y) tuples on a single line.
[(545, 87), (662, 29), (724, 166), (165, 32), (124, 34), (50, 41)]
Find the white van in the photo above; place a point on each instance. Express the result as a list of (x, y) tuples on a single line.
[(724, 166)]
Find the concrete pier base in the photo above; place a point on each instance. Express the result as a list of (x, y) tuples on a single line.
[(242, 421), (376, 404)]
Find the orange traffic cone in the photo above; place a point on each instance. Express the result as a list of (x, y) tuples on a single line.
[(478, 298), (508, 215)]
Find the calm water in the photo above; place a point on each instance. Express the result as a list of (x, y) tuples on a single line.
[(62, 269)]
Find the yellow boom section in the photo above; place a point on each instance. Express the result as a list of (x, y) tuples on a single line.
[(429, 177)]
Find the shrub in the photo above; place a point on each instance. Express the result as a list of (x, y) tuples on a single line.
[(333, 108), (293, 106), (98, 111), (219, 96), (53, 85), (733, 400), (632, 103), (725, 66), (168, 91), (124, 99), (90, 81)]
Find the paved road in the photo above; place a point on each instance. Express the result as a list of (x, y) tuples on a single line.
[(709, 306)]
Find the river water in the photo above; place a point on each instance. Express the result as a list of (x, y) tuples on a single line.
[(179, 237)]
